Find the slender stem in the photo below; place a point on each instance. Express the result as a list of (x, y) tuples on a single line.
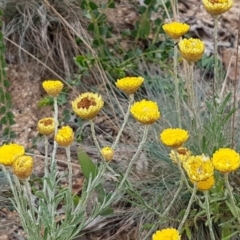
[(206, 195), (45, 163), (176, 81), (68, 153), (131, 99), (135, 156), (229, 190), (215, 79), (174, 198), (188, 208)]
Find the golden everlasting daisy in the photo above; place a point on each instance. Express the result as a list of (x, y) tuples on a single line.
[(52, 87), (129, 85), (23, 166), (174, 137), (226, 160), (87, 105), (191, 49), (205, 185), (46, 126), (108, 153), (10, 152), (199, 168), (167, 234), (217, 7), (64, 136), (145, 112), (175, 29), (181, 154)]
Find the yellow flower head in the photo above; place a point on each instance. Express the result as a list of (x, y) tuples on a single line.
[(10, 152), (167, 234), (108, 153), (145, 112), (87, 105), (217, 7), (226, 160), (129, 85), (174, 137), (199, 168), (52, 87), (205, 185), (191, 49), (175, 29), (64, 136), (46, 126), (23, 166), (181, 154)]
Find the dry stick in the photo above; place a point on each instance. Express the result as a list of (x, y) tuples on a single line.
[(235, 84)]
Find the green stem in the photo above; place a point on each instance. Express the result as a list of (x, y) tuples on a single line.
[(229, 190), (215, 79), (131, 99), (188, 208), (174, 198), (68, 153), (135, 156), (176, 81), (206, 195), (45, 163)]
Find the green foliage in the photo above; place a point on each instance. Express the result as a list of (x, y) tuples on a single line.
[(6, 115)]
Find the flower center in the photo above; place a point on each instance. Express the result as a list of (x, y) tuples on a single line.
[(86, 103), (47, 122)]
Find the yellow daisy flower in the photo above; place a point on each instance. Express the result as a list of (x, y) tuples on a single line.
[(191, 49), (46, 126), (145, 112), (87, 105), (167, 234), (10, 152), (175, 30), (217, 7), (226, 160), (52, 87), (64, 136), (181, 154), (199, 168), (205, 185), (129, 85), (23, 166), (108, 153), (174, 137)]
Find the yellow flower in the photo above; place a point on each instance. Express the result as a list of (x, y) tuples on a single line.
[(87, 105), (175, 29), (145, 112), (46, 126), (174, 137), (205, 185), (226, 160), (181, 154), (199, 168), (217, 7), (129, 85), (10, 152), (23, 166), (108, 153), (52, 87), (167, 234), (64, 136), (191, 49)]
